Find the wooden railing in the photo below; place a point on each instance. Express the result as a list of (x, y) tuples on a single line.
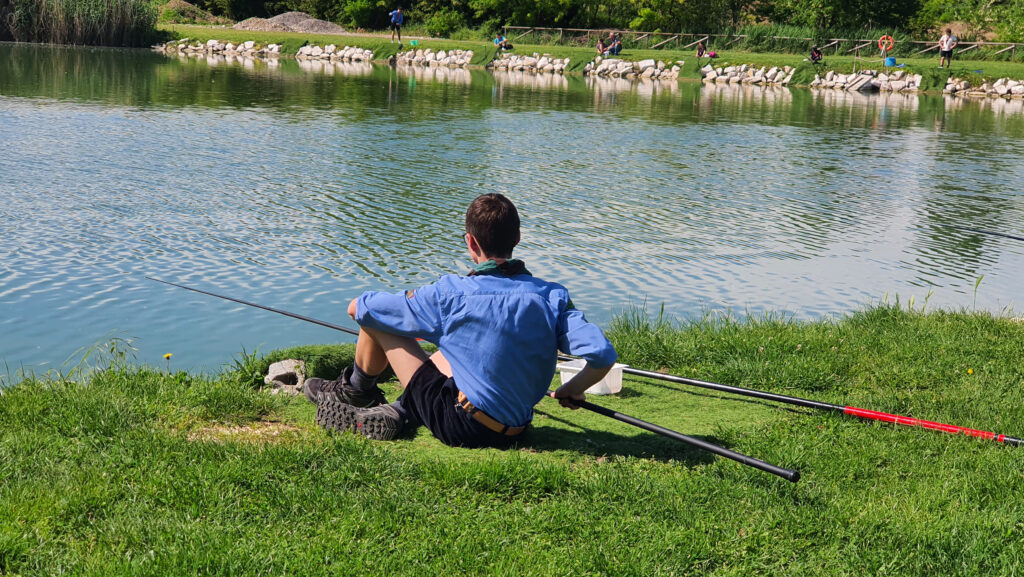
[(686, 40)]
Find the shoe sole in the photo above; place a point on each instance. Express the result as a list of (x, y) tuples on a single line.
[(339, 416)]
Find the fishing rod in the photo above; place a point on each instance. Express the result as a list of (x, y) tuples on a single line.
[(980, 231), (846, 410), (787, 474)]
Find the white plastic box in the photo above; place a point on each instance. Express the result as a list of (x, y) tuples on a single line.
[(609, 385)]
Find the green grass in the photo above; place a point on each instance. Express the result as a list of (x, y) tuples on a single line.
[(484, 52), (138, 471)]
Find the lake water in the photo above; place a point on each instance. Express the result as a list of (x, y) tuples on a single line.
[(299, 187)]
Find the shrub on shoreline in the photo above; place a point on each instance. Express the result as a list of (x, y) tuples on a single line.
[(97, 22)]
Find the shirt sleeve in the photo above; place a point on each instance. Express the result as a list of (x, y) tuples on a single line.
[(580, 338), (412, 313)]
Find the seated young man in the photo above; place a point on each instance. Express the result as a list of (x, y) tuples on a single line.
[(501, 42), (615, 46), (498, 330), (816, 55)]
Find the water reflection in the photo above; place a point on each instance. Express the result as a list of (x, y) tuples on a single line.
[(300, 187), (441, 74)]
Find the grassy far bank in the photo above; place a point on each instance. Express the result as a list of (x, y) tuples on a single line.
[(144, 471), (977, 71)]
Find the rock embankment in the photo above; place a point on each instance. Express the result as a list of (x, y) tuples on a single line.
[(537, 63), (1004, 87), (249, 48), (617, 68), (747, 74), (869, 81), (332, 52), (427, 57)]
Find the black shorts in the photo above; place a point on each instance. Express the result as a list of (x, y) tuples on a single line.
[(394, 26), (431, 397), (946, 54)]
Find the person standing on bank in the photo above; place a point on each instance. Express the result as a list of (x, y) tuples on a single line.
[(946, 45), (397, 19), (498, 330)]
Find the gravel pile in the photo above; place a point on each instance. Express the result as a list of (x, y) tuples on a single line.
[(290, 22)]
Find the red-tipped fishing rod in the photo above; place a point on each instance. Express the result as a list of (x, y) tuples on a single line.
[(846, 410), (787, 474)]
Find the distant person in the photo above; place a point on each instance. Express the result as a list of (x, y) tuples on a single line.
[(602, 49), (501, 43), (397, 19), (946, 45), (615, 46), (701, 50), (816, 56)]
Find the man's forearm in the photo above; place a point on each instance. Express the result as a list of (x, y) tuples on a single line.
[(586, 378)]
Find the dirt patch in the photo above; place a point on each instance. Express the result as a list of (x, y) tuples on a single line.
[(257, 432), (290, 22)]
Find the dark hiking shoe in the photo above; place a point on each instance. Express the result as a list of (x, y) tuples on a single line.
[(382, 423), (320, 390)]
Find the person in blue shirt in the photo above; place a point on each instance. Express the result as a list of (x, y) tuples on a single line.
[(501, 42), (498, 330), (397, 19), (615, 46)]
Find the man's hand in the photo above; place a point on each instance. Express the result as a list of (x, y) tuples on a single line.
[(565, 398)]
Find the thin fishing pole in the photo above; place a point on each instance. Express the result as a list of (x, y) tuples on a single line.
[(846, 410), (980, 231), (271, 309), (788, 474)]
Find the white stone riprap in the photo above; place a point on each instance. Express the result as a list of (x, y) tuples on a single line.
[(869, 81), (334, 54), (618, 68), (248, 49), (536, 63), (1004, 88), (441, 58), (747, 74)]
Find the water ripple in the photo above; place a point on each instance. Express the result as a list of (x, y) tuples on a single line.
[(301, 188)]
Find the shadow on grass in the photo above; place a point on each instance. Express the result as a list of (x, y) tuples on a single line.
[(598, 443)]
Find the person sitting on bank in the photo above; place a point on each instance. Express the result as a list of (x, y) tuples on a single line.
[(816, 56), (498, 330), (602, 50), (615, 46), (501, 43), (701, 50)]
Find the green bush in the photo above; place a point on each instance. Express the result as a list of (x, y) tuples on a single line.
[(445, 22)]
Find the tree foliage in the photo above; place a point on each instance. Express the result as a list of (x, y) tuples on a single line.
[(994, 19)]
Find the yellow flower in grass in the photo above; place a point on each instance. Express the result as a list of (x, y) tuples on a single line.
[(168, 356), (970, 371)]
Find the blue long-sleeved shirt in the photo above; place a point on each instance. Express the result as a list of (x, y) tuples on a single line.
[(500, 334)]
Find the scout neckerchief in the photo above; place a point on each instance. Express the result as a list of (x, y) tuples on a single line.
[(510, 267)]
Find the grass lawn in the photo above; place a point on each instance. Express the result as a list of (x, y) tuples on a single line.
[(976, 71), (138, 471)]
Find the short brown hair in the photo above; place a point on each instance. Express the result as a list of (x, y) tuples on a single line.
[(493, 221)]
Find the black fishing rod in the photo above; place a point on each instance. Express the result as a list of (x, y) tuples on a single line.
[(846, 410), (980, 231), (787, 474)]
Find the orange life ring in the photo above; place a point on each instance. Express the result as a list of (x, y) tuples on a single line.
[(886, 43)]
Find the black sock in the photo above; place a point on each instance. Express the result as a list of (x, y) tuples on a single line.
[(361, 380), (401, 410)]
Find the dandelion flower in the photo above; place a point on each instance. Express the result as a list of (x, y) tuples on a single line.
[(168, 356), (970, 371)]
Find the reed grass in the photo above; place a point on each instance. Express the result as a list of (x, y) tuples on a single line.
[(91, 22)]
